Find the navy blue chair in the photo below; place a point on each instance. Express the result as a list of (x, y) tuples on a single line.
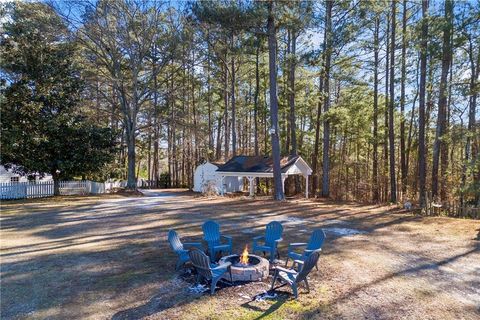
[(205, 270), (292, 277), (315, 243), (273, 235), (180, 248), (211, 234)]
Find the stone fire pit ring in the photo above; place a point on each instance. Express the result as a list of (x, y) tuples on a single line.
[(256, 270)]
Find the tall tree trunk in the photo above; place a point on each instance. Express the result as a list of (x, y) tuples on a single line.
[(315, 180), (285, 124), (155, 169), (439, 147), (185, 112), (291, 100), (255, 99), (169, 151), (470, 155), (403, 161), (326, 104), (156, 137), (56, 183), (184, 152), (218, 151), (385, 112), (226, 126), (232, 98), (130, 135), (429, 102), (391, 132), (376, 195), (265, 119), (174, 139), (196, 142), (410, 132), (422, 167), (139, 164), (449, 151), (272, 66), (149, 157), (209, 103)]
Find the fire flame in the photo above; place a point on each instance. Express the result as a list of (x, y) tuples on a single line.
[(244, 256)]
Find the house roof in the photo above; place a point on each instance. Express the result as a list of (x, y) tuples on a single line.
[(256, 164)]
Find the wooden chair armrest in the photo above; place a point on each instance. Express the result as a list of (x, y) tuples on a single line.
[(225, 266), (291, 271), (193, 244), (256, 239), (229, 238), (296, 245)]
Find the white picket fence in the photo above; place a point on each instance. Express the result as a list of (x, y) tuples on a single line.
[(40, 189), (21, 190), (68, 188)]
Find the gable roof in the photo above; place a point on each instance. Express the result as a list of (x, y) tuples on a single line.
[(256, 164)]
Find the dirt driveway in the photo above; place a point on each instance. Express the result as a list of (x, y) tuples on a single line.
[(107, 258)]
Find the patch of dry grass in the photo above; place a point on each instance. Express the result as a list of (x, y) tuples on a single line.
[(107, 257)]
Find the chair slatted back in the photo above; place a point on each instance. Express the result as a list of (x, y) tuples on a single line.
[(316, 240), (174, 241), (273, 232), (201, 262), (308, 265), (211, 232)]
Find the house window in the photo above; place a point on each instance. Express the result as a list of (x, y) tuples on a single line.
[(14, 179)]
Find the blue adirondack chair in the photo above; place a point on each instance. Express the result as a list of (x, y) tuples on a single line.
[(205, 270), (180, 248), (292, 277), (315, 243), (211, 234), (273, 235)]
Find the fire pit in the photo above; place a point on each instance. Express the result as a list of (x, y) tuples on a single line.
[(246, 267)]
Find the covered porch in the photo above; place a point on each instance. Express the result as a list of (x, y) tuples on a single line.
[(252, 167)]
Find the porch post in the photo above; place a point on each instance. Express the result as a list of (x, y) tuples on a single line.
[(306, 186), (283, 183), (221, 183), (252, 189)]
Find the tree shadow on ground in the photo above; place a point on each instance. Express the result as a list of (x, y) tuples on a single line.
[(118, 259), (50, 281), (166, 299), (271, 309), (417, 270)]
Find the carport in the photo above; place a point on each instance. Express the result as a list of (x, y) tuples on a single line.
[(252, 167)]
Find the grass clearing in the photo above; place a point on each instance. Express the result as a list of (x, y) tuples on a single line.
[(107, 258)]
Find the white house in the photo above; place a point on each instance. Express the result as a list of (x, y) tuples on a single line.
[(207, 172), (8, 175)]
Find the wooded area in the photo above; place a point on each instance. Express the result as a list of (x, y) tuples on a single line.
[(380, 97)]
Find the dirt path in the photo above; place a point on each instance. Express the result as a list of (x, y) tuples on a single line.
[(107, 258)]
